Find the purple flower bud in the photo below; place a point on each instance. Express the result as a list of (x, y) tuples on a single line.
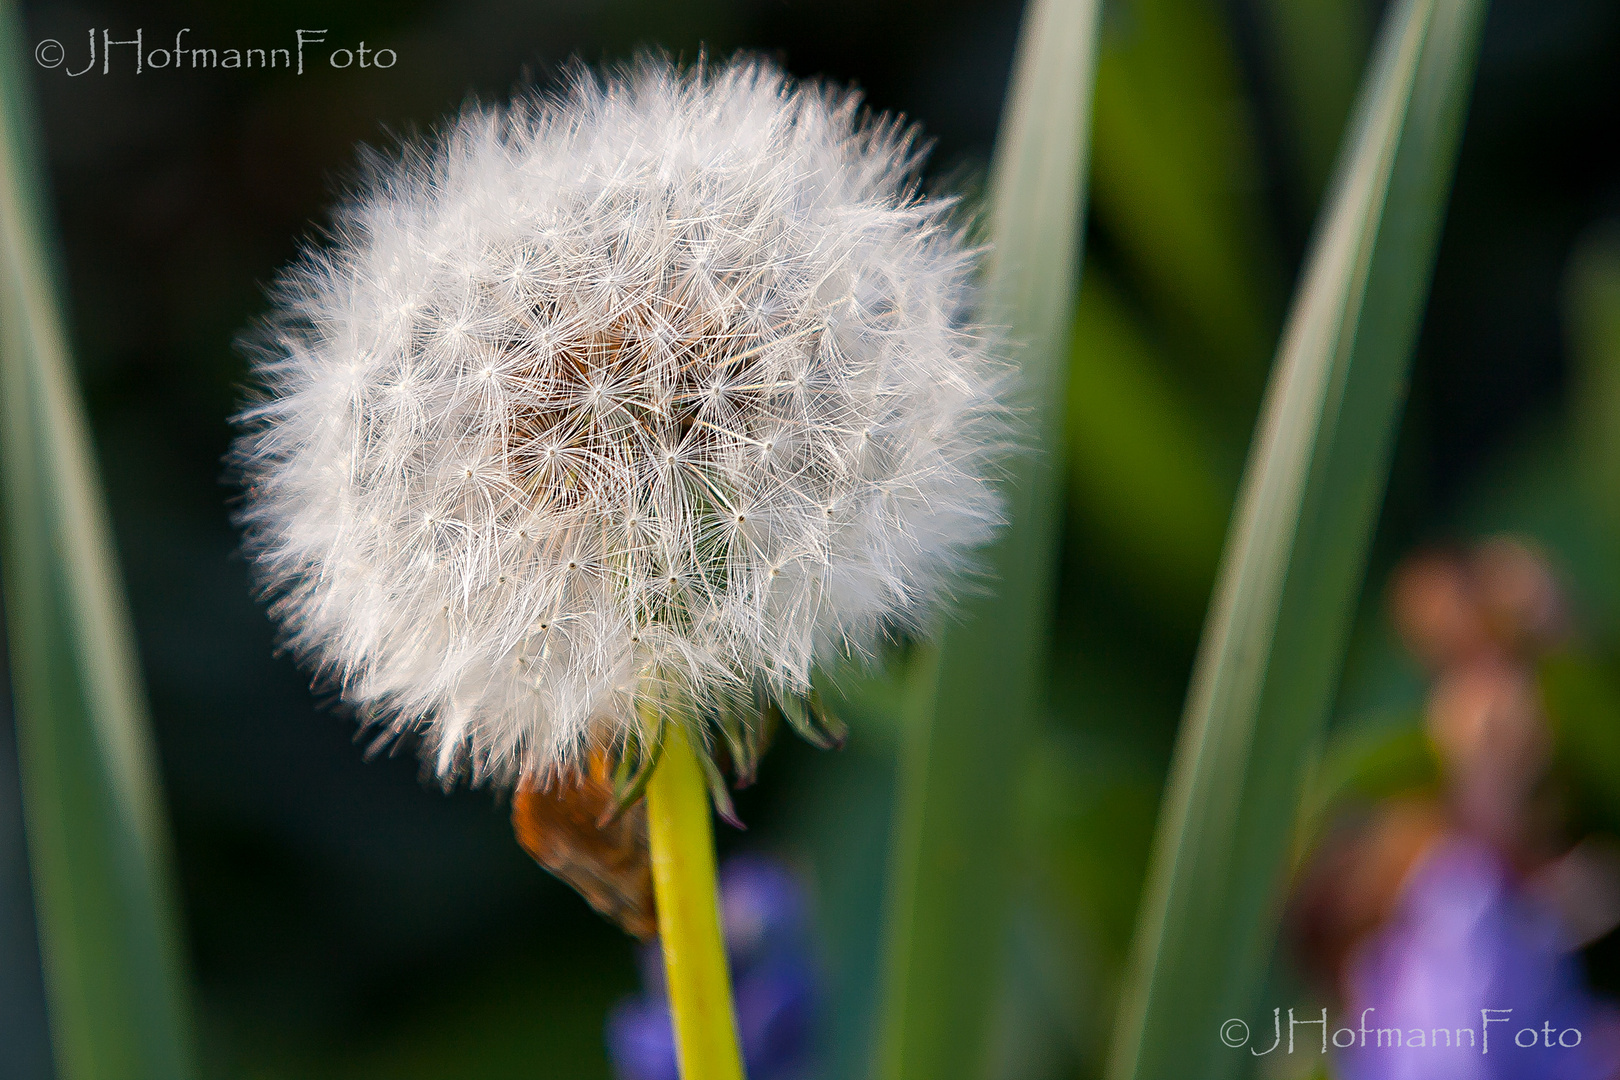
[(762, 907), (1471, 979), (776, 1008), (641, 1040)]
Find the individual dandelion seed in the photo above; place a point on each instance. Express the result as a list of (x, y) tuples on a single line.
[(601, 420), (638, 400)]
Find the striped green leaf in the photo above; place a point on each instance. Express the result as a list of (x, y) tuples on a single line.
[(973, 697), (97, 845), (1292, 571)]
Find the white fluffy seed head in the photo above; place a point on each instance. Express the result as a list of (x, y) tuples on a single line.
[(658, 390)]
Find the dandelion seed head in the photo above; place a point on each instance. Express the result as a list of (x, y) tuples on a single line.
[(661, 387)]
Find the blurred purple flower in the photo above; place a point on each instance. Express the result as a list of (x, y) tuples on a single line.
[(773, 975), (763, 907), (1464, 939)]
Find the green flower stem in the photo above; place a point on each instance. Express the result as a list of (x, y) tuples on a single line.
[(689, 916)]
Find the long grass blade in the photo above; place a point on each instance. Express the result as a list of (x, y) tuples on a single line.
[(1176, 176), (1144, 467), (1292, 571), (973, 698), (96, 836), (1315, 52), (1592, 306)]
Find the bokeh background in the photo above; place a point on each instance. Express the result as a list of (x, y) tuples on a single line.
[(346, 918)]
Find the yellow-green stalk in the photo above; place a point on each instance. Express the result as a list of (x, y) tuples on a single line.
[(682, 840)]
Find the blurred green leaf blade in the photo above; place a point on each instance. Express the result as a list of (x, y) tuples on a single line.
[(1583, 708), (1592, 304), (1178, 315), (972, 699), (1315, 51), (1177, 179), (98, 851), (1292, 571), (1142, 462)]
